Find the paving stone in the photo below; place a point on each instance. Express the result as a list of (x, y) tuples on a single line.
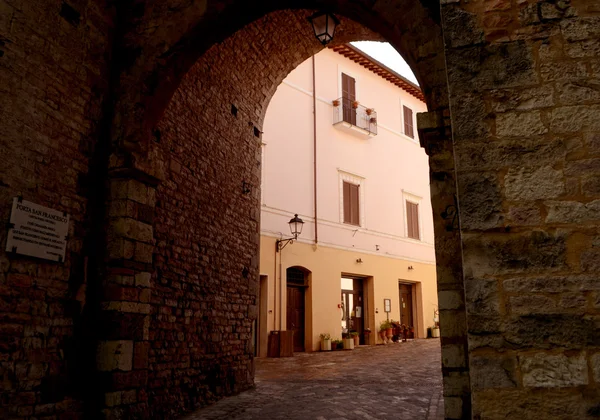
[(396, 381)]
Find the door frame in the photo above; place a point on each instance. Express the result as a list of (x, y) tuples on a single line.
[(417, 305), (308, 329)]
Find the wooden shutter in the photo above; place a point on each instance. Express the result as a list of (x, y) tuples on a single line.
[(408, 122), (348, 87), (351, 204), (348, 97), (412, 218)]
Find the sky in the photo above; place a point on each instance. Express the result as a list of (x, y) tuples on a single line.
[(386, 54)]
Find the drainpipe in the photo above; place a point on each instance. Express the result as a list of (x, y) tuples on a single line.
[(315, 144), (280, 292), (275, 291)]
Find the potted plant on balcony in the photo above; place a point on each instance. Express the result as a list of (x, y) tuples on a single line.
[(325, 342), (373, 120), (336, 102), (369, 111), (354, 104)]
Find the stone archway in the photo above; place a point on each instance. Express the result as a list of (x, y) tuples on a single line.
[(208, 137), (83, 84)]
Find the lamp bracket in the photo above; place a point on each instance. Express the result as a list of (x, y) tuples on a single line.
[(282, 243)]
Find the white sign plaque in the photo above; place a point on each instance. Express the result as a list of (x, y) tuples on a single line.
[(37, 231)]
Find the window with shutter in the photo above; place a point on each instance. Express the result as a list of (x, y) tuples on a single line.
[(408, 122), (348, 98), (412, 219), (351, 204)]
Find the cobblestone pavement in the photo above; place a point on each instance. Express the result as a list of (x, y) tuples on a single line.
[(395, 381)]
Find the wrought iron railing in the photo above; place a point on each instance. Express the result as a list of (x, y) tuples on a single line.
[(351, 112)]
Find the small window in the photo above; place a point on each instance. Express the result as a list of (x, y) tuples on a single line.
[(408, 122), (351, 204), (412, 220)]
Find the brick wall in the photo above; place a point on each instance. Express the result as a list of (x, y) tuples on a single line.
[(53, 79)]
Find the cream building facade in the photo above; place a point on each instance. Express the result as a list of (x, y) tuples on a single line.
[(354, 172)]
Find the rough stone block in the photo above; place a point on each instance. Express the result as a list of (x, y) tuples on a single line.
[(532, 304), (143, 279), (544, 370), (450, 299), (520, 124), (499, 371), (595, 366), (573, 212), (482, 296), (114, 355), (453, 356), (481, 201), (132, 229), (530, 183)]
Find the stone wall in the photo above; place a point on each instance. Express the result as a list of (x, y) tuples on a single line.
[(524, 94), (53, 80)]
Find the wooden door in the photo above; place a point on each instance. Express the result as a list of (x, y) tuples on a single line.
[(406, 313), (348, 97), (295, 315)]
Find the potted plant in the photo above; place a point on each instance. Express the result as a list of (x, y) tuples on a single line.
[(435, 331), (367, 335), (337, 344), (369, 111), (356, 338), (354, 104), (383, 327), (373, 120), (325, 342), (389, 331), (336, 102), (348, 341)]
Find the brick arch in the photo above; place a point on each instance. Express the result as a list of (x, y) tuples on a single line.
[(160, 59), (202, 258)]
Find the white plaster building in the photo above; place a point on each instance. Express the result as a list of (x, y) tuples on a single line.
[(368, 232)]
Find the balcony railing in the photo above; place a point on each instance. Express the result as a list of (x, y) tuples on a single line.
[(355, 114)]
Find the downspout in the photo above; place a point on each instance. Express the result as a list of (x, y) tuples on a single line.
[(280, 292), (275, 289), (315, 146)]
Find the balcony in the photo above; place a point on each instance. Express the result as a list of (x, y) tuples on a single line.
[(355, 118)]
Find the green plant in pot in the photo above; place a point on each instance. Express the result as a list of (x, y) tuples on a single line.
[(384, 326), (348, 341), (325, 342), (354, 335), (337, 344)]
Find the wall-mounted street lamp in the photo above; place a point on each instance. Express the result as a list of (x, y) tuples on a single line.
[(324, 24), (296, 225)]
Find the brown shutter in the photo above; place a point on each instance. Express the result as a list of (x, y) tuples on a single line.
[(348, 87), (351, 211), (408, 122), (412, 218), (354, 204), (348, 97), (347, 211)]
